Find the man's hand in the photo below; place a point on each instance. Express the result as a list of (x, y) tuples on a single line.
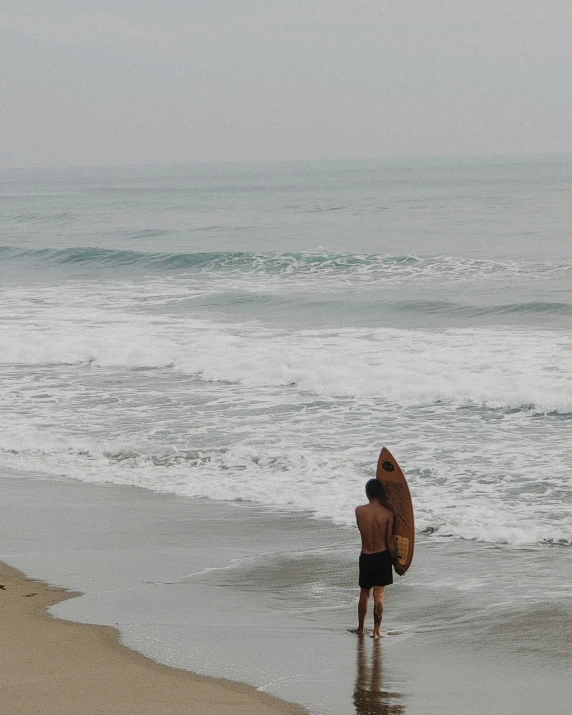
[(399, 570)]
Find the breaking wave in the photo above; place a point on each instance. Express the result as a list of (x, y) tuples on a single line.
[(316, 263)]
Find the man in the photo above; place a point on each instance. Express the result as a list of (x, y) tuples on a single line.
[(375, 524)]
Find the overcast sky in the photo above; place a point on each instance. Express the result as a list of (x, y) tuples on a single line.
[(162, 81)]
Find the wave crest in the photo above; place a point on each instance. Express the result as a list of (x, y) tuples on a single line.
[(315, 263)]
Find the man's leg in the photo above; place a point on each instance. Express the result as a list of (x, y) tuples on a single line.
[(362, 609), (378, 594)]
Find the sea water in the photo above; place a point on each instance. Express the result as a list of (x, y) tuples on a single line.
[(247, 338), (258, 332)]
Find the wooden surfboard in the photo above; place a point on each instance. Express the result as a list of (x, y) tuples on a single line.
[(398, 499)]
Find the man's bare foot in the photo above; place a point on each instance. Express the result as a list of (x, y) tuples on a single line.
[(376, 636), (356, 631)]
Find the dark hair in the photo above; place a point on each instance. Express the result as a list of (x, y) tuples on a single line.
[(374, 489)]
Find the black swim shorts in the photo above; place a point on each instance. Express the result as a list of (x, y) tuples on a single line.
[(375, 569)]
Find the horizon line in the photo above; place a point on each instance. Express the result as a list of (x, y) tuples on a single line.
[(222, 162)]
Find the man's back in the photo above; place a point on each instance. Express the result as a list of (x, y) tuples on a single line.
[(377, 557), (373, 522)]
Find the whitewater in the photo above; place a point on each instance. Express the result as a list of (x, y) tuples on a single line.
[(258, 332)]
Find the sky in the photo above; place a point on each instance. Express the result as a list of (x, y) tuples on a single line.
[(182, 81)]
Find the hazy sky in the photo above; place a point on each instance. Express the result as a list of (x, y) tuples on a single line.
[(161, 81)]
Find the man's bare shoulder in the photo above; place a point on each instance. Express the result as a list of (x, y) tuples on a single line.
[(380, 511), (386, 511)]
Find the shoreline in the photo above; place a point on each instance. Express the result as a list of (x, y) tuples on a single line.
[(233, 593), (57, 667)]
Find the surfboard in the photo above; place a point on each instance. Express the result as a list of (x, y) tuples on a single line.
[(398, 499)]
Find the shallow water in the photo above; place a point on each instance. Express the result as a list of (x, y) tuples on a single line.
[(264, 596)]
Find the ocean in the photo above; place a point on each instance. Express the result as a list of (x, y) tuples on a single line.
[(259, 332), (255, 333)]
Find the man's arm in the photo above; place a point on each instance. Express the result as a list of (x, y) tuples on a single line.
[(390, 541), (358, 510)]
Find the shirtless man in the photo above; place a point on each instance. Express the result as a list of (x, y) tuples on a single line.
[(375, 523)]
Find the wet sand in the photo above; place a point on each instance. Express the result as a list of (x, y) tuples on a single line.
[(58, 667), (264, 597)]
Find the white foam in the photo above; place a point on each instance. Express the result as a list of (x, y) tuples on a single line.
[(496, 368), (291, 418), (327, 486)]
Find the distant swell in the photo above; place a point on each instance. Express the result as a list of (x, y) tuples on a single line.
[(434, 307), (361, 267), (108, 258)]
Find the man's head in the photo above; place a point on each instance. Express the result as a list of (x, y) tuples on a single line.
[(374, 490)]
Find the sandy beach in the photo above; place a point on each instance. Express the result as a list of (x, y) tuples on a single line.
[(59, 667)]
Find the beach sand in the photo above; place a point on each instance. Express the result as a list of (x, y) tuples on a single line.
[(59, 667)]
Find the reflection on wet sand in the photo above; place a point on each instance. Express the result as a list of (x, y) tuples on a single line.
[(369, 696)]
